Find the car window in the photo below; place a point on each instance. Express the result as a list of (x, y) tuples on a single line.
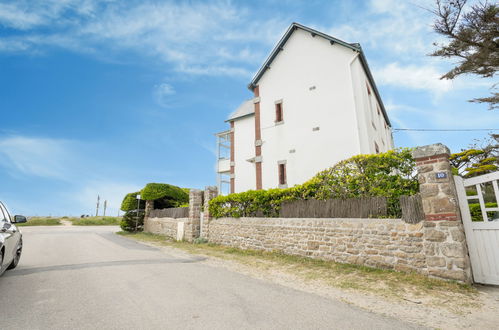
[(4, 215)]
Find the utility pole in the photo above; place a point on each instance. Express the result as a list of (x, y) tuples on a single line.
[(97, 209), (105, 207)]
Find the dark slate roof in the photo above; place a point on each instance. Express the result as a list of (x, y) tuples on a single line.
[(353, 46)]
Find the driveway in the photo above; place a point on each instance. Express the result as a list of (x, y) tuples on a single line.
[(90, 278)]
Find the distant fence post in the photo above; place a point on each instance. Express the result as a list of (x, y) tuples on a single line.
[(195, 206), (210, 192), (444, 239)]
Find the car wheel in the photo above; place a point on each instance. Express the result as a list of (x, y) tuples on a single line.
[(17, 256)]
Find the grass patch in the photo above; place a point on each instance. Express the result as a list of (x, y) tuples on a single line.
[(96, 221), (383, 282), (39, 221)]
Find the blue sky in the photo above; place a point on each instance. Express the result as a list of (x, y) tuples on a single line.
[(101, 97)]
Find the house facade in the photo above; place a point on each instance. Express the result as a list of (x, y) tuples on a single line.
[(315, 103)]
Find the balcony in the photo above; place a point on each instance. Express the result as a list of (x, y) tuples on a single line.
[(223, 165)]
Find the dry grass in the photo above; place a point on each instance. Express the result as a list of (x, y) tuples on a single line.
[(390, 284), (40, 221)]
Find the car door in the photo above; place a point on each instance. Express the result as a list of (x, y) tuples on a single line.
[(9, 231)]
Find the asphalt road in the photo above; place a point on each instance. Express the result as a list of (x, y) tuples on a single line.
[(90, 278)]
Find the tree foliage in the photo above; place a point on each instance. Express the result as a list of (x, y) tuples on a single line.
[(133, 221), (474, 40), (481, 157), (130, 202), (164, 195), (389, 174)]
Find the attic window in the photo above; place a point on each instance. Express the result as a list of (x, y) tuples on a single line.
[(278, 112), (379, 112), (368, 89)]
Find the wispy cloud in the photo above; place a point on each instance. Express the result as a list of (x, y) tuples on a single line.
[(162, 92), (41, 157), (198, 38), (412, 77)]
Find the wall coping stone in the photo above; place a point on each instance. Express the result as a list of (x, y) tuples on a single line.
[(430, 150)]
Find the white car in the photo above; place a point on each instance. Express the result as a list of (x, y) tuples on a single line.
[(11, 241)]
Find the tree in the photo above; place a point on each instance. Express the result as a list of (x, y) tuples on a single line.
[(474, 40), (481, 157)]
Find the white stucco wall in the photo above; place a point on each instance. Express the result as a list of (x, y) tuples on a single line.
[(367, 114), (328, 114), (307, 62), (244, 138)]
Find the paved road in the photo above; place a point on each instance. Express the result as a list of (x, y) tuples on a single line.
[(90, 278)]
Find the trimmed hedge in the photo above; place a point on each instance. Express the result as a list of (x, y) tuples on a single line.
[(164, 195), (391, 174), (476, 212), (129, 203)]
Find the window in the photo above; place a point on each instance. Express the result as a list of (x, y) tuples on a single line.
[(379, 112), (282, 174), (368, 89), (376, 147), (278, 112)]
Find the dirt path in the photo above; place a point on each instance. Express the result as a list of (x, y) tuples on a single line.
[(480, 311), (66, 222)]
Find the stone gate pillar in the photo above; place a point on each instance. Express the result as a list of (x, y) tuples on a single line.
[(444, 239), (210, 192), (195, 207)]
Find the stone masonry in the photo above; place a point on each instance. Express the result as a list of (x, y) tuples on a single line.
[(209, 194), (192, 226), (435, 246), (444, 239)]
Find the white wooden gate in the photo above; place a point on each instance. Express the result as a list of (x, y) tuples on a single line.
[(482, 236)]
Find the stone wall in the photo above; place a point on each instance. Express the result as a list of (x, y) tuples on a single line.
[(163, 226), (426, 247)]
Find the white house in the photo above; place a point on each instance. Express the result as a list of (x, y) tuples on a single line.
[(315, 103)]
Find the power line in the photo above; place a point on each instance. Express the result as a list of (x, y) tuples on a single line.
[(444, 130)]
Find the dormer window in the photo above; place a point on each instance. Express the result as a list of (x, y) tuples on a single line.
[(278, 112)]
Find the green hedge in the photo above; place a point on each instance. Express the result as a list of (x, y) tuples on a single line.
[(133, 221), (391, 174), (165, 194), (476, 212), (129, 203)]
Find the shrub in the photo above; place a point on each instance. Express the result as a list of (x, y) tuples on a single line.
[(165, 195), (133, 221), (391, 174), (129, 203), (96, 221), (476, 212)]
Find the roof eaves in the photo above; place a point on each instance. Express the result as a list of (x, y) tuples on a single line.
[(240, 117), (363, 61), (284, 39)]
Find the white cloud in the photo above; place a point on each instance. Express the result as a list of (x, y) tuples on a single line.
[(162, 92), (213, 38), (412, 77), (42, 157)]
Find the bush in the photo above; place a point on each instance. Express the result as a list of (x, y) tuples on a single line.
[(391, 174), (165, 195), (129, 203), (133, 221), (476, 212)]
